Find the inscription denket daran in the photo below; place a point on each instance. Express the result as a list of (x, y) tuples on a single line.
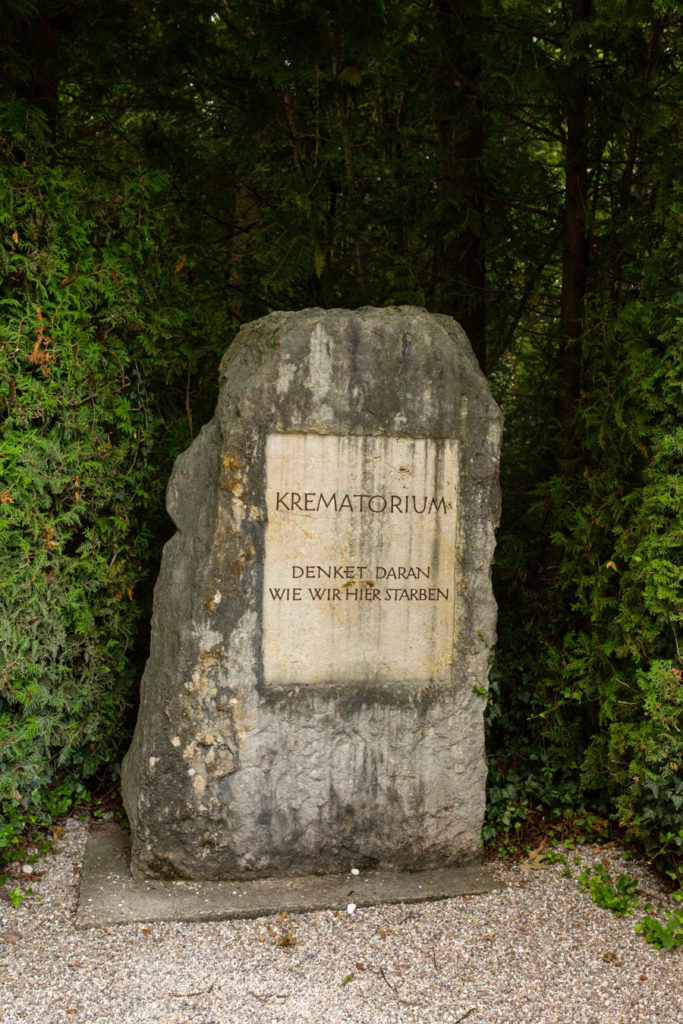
[(357, 514), (323, 617)]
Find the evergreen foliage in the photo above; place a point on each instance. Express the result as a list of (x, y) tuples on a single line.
[(75, 479), (84, 356)]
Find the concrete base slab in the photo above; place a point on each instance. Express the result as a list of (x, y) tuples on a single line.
[(109, 895)]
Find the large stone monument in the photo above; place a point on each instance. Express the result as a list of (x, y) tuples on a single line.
[(323, 617)]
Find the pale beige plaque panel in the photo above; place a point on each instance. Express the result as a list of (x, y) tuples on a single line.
[(360, 559)]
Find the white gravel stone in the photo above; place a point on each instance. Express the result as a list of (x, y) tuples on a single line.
[(539, 952)]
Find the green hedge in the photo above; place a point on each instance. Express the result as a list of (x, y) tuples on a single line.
[(84, 449), (587, 697)]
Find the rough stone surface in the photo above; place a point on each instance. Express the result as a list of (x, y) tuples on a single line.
[(248, 761)]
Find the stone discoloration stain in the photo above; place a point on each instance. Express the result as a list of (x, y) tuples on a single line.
[(231, 478), (321, 365)]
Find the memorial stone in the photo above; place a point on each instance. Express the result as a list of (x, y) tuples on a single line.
[(323, 617)]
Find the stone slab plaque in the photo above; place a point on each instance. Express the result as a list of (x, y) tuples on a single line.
[(359, 559), (323, 617)]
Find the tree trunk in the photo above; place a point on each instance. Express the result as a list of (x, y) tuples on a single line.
[(575, 242), (33, 43), (460, 266)]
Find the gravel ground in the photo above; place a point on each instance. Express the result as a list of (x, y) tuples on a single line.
[(539, 952)]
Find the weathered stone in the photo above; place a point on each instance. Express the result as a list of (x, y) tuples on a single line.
[(323, 616)]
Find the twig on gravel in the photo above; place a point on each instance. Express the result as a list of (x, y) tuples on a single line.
[(471, 1010), (407, 917), (652, 895), (188, 995), (265, 996), (406, 1002)]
